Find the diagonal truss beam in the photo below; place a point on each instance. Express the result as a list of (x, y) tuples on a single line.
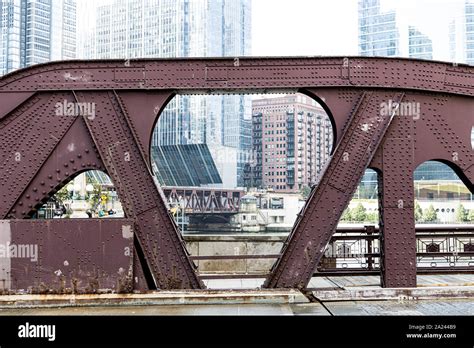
[(307, 242), (158, 236)]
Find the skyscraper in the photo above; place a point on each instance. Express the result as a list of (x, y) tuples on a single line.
[(36, 31), (461, 33), (182, 28), (9, 36), (468, 28), (378, 32), (419, 45), (385, 33)]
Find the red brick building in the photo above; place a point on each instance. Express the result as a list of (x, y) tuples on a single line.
[(291, 141)]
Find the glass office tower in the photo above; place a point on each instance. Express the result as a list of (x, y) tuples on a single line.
[(183, 28), (36, 31), (385, 33)]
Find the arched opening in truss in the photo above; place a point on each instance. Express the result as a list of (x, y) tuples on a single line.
[(239, 164), (88, 194), (441, 196), (442, 199)]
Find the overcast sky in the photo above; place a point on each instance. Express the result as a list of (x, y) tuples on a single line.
[(330, 27), (304, 27), (325, 27)]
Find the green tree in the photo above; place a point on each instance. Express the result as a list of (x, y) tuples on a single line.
[(429, 215), (373, 217), (359, 213), (418, 212), (305, 192), (346, 215), (94, 197), (62, 195), (471, 215), (462, 214)]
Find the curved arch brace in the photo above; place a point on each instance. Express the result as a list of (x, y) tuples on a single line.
[(129, 99)]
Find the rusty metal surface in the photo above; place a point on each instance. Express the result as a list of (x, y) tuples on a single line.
[(40, 150), (66, 256), (157, 234), (249, 73), (312, 232)]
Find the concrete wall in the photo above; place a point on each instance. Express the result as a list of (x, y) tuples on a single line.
[(206, 245)]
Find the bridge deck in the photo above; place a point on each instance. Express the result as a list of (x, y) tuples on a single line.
[(342, 295)]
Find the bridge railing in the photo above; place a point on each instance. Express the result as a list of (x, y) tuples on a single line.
[(355, 250), (439, 249)]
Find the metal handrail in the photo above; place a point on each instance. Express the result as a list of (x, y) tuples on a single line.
[(368, 233)]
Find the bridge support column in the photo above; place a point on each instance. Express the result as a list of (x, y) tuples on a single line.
[(397, 217), (309, 238)]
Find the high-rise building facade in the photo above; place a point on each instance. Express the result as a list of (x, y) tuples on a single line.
[(399, 29), (419, 45), (36, 31), (468, 26), (130, 29), (10, 29), (378, 32), (386, 33), (461, 33), (292, 139)]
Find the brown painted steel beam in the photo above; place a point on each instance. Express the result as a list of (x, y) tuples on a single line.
[(74, 153), (41, 150), (157, 234), (243, 74), (307, 242), (28, 138)]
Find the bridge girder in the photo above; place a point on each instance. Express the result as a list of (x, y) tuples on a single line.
[(41, 148)]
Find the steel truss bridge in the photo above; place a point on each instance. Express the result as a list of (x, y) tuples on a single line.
[(63, 118), (200, 200)]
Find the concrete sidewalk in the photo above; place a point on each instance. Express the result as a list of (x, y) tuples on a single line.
[(422, 307), (342, 295), (342, 282)]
